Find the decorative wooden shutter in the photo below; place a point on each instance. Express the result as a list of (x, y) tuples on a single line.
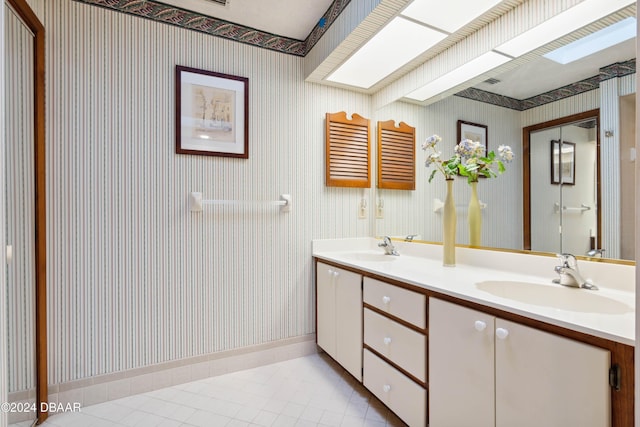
[(396, 156), (348, 143)]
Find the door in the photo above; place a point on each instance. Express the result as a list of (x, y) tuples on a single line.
[(24, 204), (349, 321), (547, 380), (326, 308), (461, 366)]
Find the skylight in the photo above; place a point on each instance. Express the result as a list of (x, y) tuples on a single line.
[(607, 37)]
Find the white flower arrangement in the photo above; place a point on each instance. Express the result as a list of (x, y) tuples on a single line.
[(469, 159)]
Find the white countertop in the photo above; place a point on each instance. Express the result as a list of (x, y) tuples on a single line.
[(517, 283)]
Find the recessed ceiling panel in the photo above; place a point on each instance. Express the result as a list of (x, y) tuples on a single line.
[(391, 48), (449, 15)]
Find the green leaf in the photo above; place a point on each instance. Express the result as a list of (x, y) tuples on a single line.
[(433, 173), (501, 167)]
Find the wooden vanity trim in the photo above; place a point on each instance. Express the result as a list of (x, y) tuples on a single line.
[(622, 402)]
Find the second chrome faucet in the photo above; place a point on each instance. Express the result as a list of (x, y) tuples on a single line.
[(389, 249)]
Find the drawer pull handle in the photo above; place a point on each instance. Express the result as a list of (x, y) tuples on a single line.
[(502, 333), (480, 325), (387, 340), (386, 300), (386, 388)]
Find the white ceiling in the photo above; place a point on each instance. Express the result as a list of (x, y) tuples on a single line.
[(297, 18), (290, 18), (543, 75)]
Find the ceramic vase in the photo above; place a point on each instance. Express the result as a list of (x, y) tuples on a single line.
[(475, 217), (449, 228)]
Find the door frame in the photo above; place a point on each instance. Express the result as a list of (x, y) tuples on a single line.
[(526, 170), (33, 23)]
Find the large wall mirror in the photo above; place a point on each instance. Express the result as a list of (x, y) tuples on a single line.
[(536, 93), (24, 177)]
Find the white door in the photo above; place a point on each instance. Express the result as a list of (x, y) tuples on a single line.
[(546, 380), (348, 287), (461, 367), (326, 308)]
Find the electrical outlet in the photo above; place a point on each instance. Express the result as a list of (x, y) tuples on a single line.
[(379, 212), (362, 212)]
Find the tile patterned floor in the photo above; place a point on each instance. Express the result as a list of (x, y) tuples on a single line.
[(310, 391)]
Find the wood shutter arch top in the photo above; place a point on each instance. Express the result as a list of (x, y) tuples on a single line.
[(347, 148), (396, 156)]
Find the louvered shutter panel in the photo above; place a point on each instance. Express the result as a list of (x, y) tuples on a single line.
[(348, 143), (396, 156)]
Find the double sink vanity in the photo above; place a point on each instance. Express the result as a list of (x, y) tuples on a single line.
[(490, 342)]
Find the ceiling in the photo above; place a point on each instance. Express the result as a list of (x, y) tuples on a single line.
[(288, 18), (293, 26)]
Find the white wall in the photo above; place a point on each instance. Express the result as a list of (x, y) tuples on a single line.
[(4, 383), (135, 278)]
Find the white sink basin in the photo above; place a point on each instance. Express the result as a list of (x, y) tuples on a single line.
[(370, 257), (556, 296)]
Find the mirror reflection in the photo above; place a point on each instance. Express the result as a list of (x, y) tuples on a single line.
[(19, 173), (538, 92)]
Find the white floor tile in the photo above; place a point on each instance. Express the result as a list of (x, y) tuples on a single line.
[(311, 391)]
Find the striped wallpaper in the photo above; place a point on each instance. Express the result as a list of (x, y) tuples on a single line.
[(4, 377), (20, 205), (135, 278)]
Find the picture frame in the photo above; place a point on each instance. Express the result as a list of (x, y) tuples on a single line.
[(212, 113), (474, 132), (563, 163)]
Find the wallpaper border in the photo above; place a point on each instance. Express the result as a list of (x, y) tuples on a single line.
[(167, 14), (617, 70)]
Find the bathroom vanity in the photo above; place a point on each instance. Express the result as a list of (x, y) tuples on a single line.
[(491, 342)]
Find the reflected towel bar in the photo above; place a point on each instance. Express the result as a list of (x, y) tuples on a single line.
[(196, 202), (438, 205), (581, 208)]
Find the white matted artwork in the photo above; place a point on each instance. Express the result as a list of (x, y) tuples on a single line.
[(211, 113), (474, 132)]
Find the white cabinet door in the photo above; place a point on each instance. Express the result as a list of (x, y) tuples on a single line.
[(326, 308), (461, 367), (547, 380), (339, 316)]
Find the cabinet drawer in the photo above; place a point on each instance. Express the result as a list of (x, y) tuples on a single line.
[(401, 345), (403, 396), (402, 303)]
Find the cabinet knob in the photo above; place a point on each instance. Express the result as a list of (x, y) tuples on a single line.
[(480, 325), (330, 272), (386, 388), (502, 333), (336, 274), (386, 299), (387, 340)]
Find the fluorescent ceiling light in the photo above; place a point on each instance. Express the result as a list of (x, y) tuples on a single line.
[(564, 23), (607, 37), (449, 15), (391, 48), (471, 69)]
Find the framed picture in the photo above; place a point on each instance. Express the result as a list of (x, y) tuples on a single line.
[(563, 162), (474, 132), (212, 113)]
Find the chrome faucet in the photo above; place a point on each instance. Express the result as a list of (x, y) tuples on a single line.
[(389, 249), (594, 252), (410, 237), (570, 275)]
